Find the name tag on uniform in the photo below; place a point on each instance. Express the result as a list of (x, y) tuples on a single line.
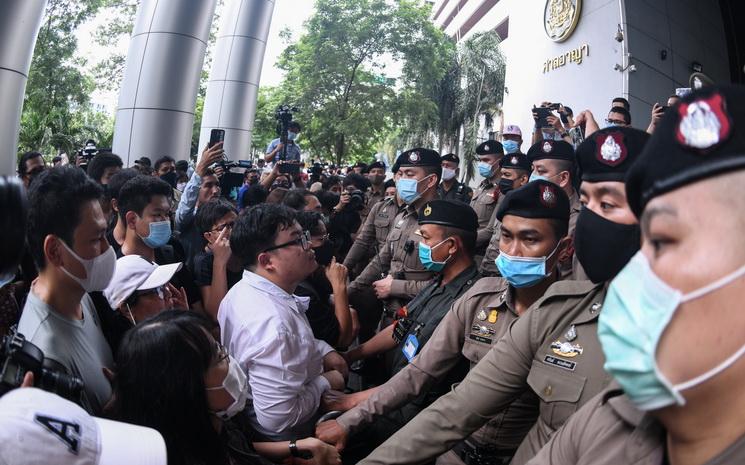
[(410, 347), (559, 362)]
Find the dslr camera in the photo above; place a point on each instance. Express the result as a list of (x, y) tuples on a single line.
[(284, 118), (19, 356), (357, 200), (89, 151)]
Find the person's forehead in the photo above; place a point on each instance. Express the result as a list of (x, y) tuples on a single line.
[(431, 229), (92, 219), (517, 224), (615, 188), (514, 137), (489, 157), (230, 216), (211, 179), (449, 164), (158, 201)]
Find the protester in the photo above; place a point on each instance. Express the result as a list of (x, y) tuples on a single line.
[(512, 139), (171, 361), (30, 165), (103, 166), (288, 369), (67, 239)]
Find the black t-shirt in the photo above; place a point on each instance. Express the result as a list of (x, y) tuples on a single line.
[(320, 313), (203, 263)]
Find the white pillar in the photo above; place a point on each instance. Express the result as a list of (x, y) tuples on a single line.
[(233, 85), (19, 27), (155, 115)]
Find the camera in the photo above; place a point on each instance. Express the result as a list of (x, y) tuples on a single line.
[(89, 151), (357, 200), (20, 356), (284, 118)]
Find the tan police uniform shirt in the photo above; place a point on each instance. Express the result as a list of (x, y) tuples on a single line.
[(571, 270), (372, 198), (373, 232), (610, 430), (399, 260), (484, 203), (477, 320), (553, 349)]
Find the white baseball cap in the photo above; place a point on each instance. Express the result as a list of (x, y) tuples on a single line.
[(38, 427), (134, 273), (512, 130)]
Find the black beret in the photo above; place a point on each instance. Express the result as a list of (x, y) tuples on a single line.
[(490, 147), (450, 157), (360, 164), (375, 164), (419, 157), (515, 161), (536, 199), (551, 149), (609, 153), (449, 213), (698, 138)]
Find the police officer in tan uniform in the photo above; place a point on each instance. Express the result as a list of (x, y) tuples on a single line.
[(672, 325), (371, 236), (476, 321), (450, 188), (553, 349), (514, 172), (375, 173), (395, 275), (484, 200)]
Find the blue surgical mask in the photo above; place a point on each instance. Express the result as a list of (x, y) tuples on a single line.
[(291, 135), (523, 271), (407, 189), (536, 177), (510, 146), (425, 256), (485, 169), (160, 234), (637, 309)]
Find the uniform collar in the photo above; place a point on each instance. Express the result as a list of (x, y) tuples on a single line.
[(260, 283), (465, 278)]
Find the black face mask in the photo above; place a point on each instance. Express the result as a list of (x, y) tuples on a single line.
[(324, 253), (505, 185), (603, 247), (171, 178)]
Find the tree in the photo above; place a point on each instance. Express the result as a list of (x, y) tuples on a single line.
[(55, 109), (335, 74)]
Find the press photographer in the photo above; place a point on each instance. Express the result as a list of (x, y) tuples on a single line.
[(285, 146)]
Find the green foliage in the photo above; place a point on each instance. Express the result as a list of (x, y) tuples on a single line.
[(56, 115)]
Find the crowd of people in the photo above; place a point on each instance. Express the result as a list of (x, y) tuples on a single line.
[(580, 305)]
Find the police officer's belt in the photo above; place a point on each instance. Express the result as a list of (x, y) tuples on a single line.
[(471, 455)]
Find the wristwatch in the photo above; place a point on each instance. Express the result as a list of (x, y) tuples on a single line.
[(295, 452)]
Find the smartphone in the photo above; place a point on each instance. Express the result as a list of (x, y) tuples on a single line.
[(216, 136), (289, 168), (542, 113), (664, 108)]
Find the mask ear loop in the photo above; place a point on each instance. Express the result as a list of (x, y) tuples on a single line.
[(131, 316)]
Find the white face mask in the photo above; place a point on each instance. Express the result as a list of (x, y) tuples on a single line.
[(98, 270), (235, 384), (448, 174)]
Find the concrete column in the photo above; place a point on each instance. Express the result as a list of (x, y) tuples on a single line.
[(19, 27), (155, 115), (232, 90)]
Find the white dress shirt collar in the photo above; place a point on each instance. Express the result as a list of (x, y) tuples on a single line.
[(260, 283)]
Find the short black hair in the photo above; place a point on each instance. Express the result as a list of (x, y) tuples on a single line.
[(356, 180), (328, 199), (120, 179), (436, 170), (136, 193), (330, 181), (161, 160), (55, 199), (24, 158), (309, 221), (295, 125), (622, 111), (211, 212), (144, 161), (256, 230), (254, 195), (295, 199), (622, 101), (14, 208), (389, 183), (467, 237), (182, 165), (100, 162)]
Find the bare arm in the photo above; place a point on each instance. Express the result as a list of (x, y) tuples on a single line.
[(381, 342), (337, 276)]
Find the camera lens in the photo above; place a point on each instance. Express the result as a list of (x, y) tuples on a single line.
[(67, 386)]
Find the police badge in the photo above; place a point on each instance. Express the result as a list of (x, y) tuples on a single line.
[(548, 196), (704, 123), (612, 151), (547, 147)]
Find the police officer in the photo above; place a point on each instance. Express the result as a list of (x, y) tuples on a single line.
[(376, 175), (672, 322), (514, 173), (371, 236), (533, 228), (484, 200), (450, 188), (552, 349), (396, 275)]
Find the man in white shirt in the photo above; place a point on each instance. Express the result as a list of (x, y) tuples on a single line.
[(265, 328)]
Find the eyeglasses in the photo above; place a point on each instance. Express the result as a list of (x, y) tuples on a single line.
[(323, 238), (303, 241), (617, 122), (220, 227)]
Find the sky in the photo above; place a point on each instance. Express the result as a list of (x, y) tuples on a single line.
[(288, 14)]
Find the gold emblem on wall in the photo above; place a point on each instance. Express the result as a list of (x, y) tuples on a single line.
[(560, 18)]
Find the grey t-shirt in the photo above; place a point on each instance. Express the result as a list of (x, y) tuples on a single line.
[(78, 345)]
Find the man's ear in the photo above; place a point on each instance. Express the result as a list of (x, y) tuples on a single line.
[(264, 260), (130, 219), (565, 179), (52, 253), (115, 205), (456, 244), (524, 179), (566, 249)]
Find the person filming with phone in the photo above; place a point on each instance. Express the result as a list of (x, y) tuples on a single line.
[(293, 150)]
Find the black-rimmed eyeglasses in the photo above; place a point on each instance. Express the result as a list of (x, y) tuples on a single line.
[(303, 241)]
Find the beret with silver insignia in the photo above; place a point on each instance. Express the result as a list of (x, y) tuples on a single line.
[(490, 147), (608, 154), (551, 149), (536, 199), (515, 161), (697, 139)]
